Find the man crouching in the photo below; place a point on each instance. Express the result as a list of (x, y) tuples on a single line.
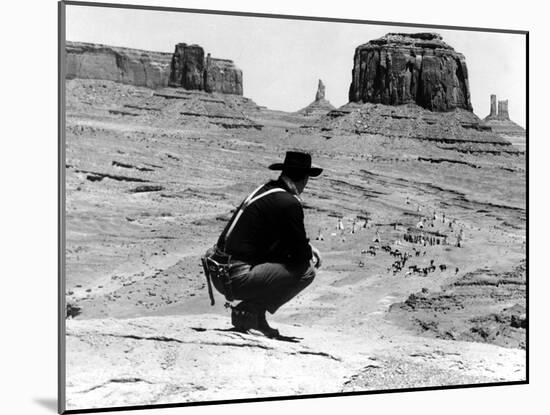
[(264, 249)]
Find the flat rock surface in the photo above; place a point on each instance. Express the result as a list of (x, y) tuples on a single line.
[(153, 360)]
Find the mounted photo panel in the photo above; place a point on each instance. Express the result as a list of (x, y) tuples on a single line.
[(258, 207)]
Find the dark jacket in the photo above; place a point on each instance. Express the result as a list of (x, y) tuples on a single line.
[(269, 230)]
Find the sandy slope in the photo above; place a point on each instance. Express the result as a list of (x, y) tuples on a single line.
[(149, 189)]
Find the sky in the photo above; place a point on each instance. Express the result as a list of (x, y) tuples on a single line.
[(282, 60)]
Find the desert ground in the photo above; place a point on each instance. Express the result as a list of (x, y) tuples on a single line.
[(153, 176)]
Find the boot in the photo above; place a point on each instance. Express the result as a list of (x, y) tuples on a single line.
[(264, 327), (246, 316)]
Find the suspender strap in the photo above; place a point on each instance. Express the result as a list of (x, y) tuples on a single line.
[(249, 200)]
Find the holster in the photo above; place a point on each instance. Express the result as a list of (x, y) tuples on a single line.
[(217, 266)]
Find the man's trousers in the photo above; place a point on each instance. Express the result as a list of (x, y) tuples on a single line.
[(270, 285)]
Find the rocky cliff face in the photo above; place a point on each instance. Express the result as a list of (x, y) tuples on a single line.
[(221, 75), (125, 65), (416, 68), (191, 70), (187, 67)]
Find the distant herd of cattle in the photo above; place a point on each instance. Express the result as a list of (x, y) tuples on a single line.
[(402, 258)]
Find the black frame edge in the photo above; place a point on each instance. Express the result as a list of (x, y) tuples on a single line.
[(527, 328), (61, 393), (291, 397)]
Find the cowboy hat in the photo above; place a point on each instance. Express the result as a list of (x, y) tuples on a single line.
[(297, 161)]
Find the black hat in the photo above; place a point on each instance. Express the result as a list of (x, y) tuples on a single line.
[(297, 161)]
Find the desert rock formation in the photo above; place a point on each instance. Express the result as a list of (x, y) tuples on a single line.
[(191, 70), (320, 94), (321, 106), (500, 123), (187, 67), (416, 68), (221, 75), (124, 65), (460, 310)]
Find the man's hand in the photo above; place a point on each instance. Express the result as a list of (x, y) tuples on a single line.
[(316, 256)]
